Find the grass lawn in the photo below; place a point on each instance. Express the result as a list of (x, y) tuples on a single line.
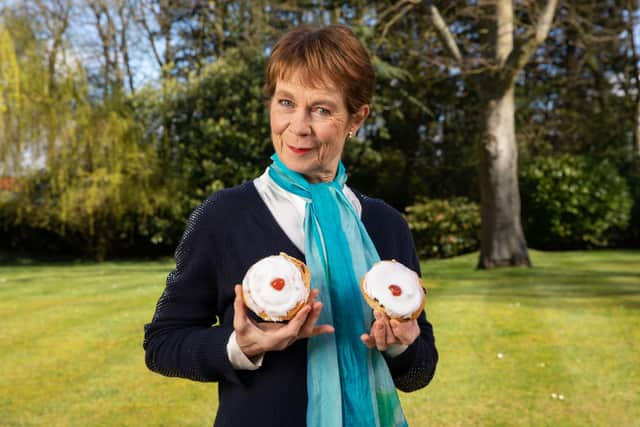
[(557, 345)]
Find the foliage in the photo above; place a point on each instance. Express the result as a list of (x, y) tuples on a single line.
[(444, 228), (85, 177), (23, 97), (631, 171), (573, 202), (577, 94), (215, 124), (167, 107), (419, 140)]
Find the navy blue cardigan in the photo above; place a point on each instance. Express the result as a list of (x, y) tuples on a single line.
[(229, 232)]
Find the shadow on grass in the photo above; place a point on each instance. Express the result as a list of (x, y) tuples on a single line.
[(159, 264), (558, 279), (17, 259)]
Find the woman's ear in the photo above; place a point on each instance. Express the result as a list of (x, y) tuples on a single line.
[(359, 117)]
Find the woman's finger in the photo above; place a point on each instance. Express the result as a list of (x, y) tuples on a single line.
[(240, 320), (309, 329), (291, 330), (313, 295), (310, 323), (322, 329), (379, 333), (389, 335), (247, 333), (368, 340), (406, 332), (381, 317)]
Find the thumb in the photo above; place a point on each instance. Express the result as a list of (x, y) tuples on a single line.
[(239, 312)]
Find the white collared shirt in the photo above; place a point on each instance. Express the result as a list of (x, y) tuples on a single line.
[(288, 209)]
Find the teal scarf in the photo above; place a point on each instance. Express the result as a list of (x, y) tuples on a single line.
[(347, 384)]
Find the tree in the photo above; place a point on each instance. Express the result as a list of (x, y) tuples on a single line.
[(633, 28), (82, 173), (492, 71), (449, 77), (112, 19), (54, 18), (577, 93), (24, 96)]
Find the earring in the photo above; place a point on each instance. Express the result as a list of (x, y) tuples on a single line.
[(350, 134)]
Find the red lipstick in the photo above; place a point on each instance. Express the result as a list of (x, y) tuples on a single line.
[(297, 150)]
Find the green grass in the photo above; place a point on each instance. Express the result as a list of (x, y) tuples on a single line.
[(71, 354)]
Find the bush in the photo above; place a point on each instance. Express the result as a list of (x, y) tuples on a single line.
[(571, 202), (444, 228), (631, 171)]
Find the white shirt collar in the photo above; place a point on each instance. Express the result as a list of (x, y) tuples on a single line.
[(288, 208)]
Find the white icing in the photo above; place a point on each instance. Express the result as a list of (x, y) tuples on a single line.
[(260, 296), (386, 273)]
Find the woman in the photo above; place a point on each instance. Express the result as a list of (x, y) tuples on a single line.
[(333, 364)]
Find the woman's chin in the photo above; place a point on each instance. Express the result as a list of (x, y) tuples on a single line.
[(309, 166), (302, 166)]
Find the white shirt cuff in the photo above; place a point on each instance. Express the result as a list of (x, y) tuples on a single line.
[(394, 350), (238, 359)]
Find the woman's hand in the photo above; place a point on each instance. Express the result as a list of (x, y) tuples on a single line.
[(255, 338), (385, 331)]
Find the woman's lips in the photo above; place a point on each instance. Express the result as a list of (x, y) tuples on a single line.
[(298, 150)]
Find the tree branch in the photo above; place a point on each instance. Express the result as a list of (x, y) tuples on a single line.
[(151, 37), (444, 34), (404, 5), (393, 20), (526, 46), (383, 15), (124, 8)]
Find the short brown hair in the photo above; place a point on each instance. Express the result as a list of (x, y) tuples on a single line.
[(325, 55)]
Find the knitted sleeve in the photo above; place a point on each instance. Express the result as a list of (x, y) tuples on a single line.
[(180, 340), (415, 367)]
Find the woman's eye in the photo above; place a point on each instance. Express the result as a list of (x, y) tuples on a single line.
[(323, 111), (285, 102)]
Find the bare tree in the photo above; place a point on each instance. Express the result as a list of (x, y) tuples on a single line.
[(125, 12), (112, 19), (502, 239), (492, 67), (105, 27), (54, 15), (633, 23), (157, 20)]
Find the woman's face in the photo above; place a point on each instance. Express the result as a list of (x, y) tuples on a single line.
[(309, 127)]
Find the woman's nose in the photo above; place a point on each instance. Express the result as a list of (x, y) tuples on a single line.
[(300, 124)]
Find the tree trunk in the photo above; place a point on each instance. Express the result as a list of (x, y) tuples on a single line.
[(502, 239), (635, 58), (636, 128)]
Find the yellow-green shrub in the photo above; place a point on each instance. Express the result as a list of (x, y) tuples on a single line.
[(444, 227)]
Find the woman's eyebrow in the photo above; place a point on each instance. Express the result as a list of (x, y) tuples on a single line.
[(325, 101), (284, 93)]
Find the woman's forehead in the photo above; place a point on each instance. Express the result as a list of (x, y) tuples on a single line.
[(316, 88)]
